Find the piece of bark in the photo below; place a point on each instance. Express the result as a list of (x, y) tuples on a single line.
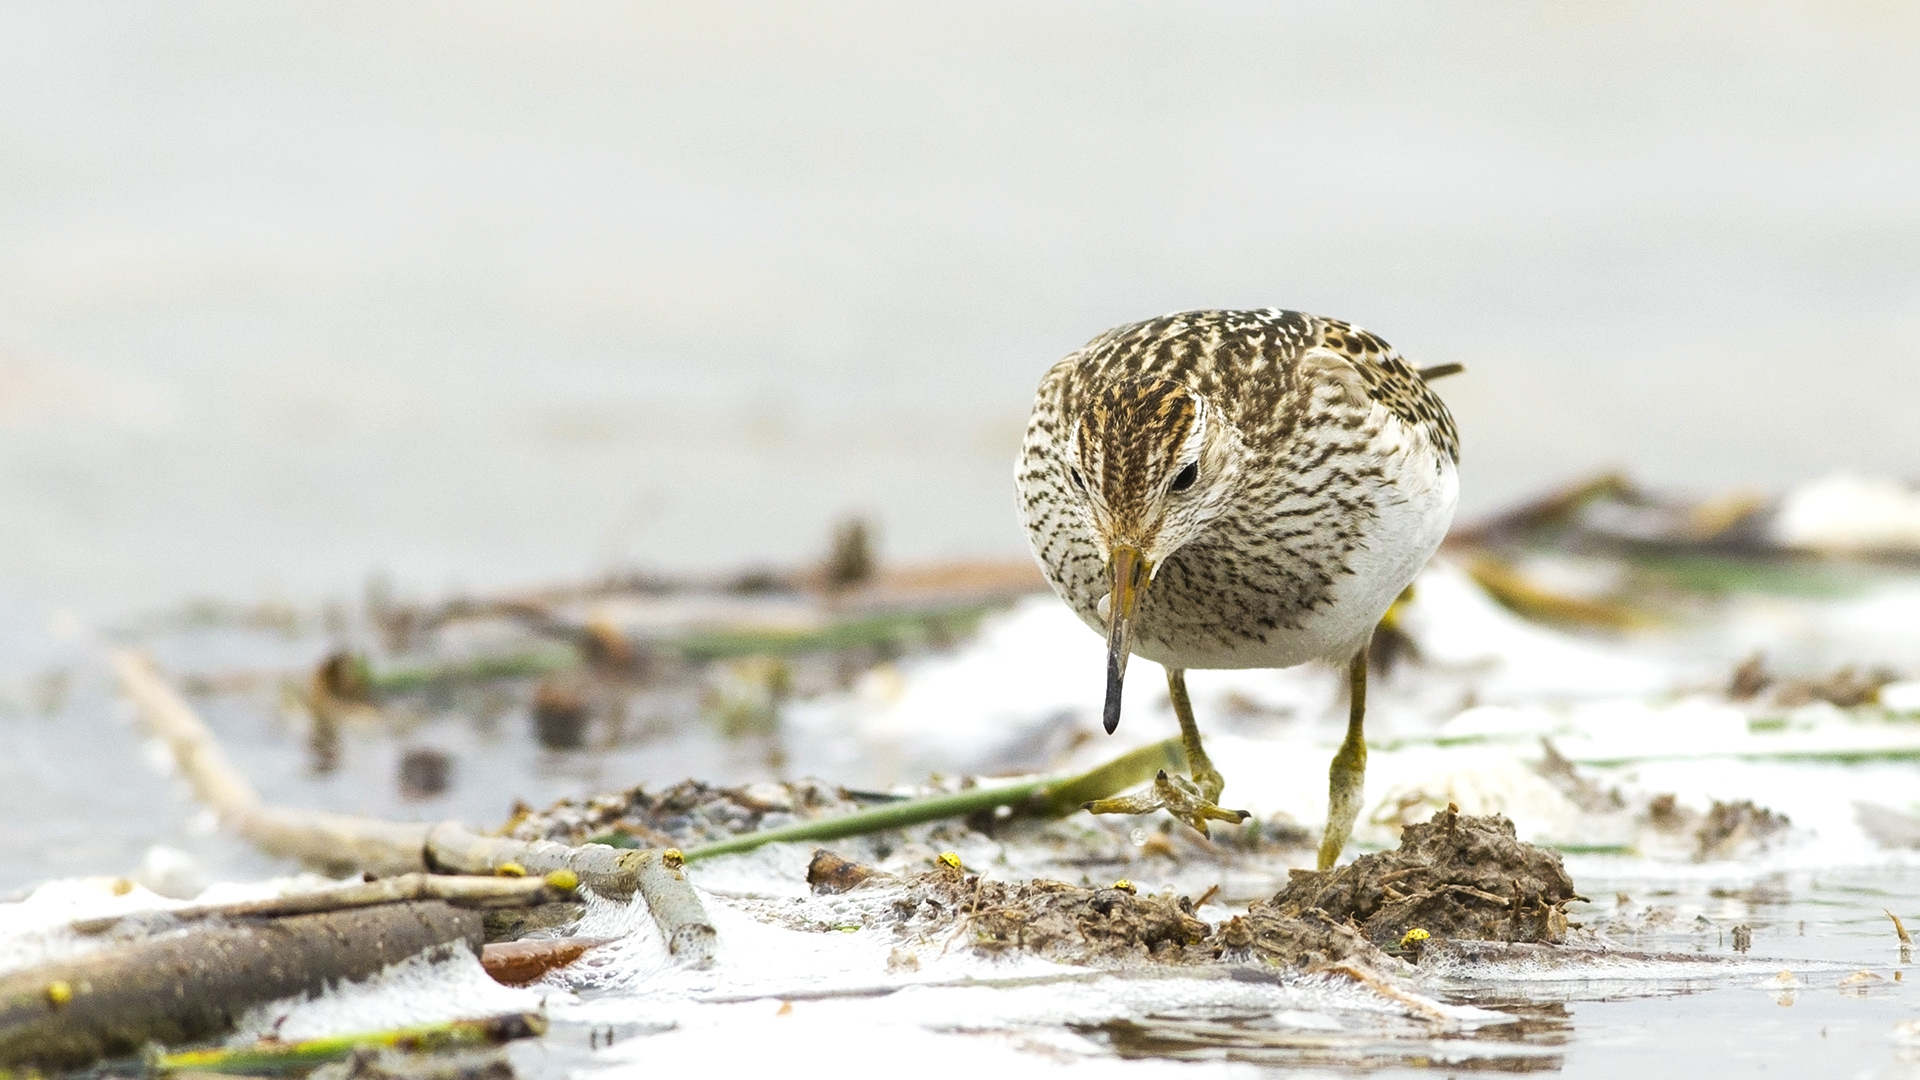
[(196, 984), (517, 963), (830, 873)]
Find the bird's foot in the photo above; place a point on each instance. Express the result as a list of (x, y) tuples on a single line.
[(1178, 796)]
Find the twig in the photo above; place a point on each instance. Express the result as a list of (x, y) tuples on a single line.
[(1425, 1007), (656, 875), (468, 892), (1050, 797)]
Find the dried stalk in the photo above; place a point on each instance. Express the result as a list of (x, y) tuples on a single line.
[(467, 892)]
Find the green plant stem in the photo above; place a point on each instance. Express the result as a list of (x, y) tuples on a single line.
[(282, 1057), (1048, 797)]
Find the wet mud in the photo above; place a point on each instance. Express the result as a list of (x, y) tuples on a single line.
[(1455, 877)]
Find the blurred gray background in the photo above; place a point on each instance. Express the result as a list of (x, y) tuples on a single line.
[(478, 294)]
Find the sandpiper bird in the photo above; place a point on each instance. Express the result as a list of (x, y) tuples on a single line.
[(1237, 489)]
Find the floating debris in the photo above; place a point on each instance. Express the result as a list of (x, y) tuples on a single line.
[(850, 562), (560, 714), (1728, 830), (1845, 688), (425, 773)]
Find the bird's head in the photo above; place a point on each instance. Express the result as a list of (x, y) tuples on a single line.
[(1150, 463)]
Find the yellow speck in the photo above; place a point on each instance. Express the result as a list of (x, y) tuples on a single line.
[(59, 993), (1414, 937), (950, 859), (510, 869), (1125, 886), (122, 886), (563, 880), (673, 859)]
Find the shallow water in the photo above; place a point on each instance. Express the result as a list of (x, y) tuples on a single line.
[(1823, 926), (1812, 907), (486, 295)]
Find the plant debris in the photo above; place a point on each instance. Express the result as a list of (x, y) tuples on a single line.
[(1116, 924), (1728, 830), (1845, 688), (1454, 877), (685, 815)]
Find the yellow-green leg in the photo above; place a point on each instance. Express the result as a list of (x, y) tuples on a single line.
[(1347, 777), (1190, 800), (1206, 779)]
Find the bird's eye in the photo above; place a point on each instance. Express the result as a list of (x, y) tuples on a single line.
[(1185, 478), (1078, 480)]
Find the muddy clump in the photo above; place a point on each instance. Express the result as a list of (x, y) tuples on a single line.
[(1104, 926), (1453, 877)]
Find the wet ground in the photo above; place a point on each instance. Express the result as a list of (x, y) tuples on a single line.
[(1824, 927), (1710, 824)]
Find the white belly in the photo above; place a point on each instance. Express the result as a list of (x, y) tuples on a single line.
[(1413, 511)]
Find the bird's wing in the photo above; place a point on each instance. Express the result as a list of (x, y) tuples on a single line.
[(1389, 381)]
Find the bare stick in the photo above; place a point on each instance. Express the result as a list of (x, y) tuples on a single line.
[(468, 892)]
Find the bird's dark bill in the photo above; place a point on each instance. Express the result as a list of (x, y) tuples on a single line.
[(1127, 572)]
